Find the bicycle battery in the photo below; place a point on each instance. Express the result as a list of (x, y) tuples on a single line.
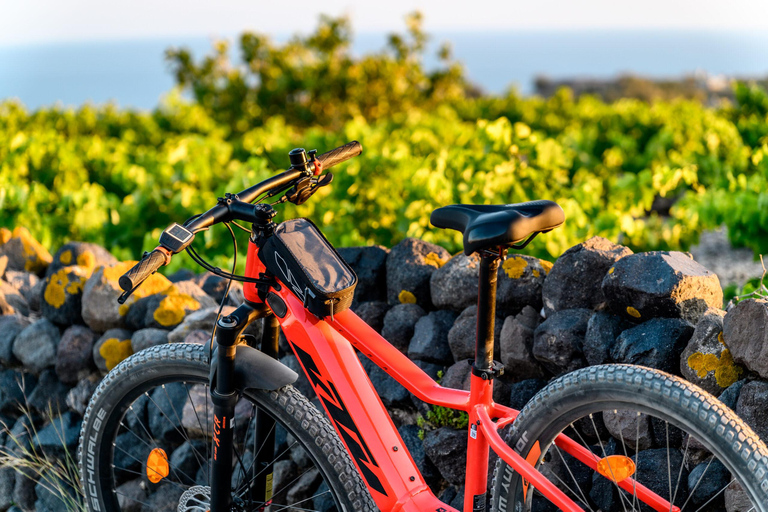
[(299, 255)]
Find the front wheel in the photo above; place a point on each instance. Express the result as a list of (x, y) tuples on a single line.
[(145, 444), (667, 434)]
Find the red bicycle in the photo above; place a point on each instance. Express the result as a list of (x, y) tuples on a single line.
[(221, 428)]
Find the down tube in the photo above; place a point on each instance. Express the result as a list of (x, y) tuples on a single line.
[(355, 409)]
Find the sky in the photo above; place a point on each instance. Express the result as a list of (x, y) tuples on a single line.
[(45, 21)]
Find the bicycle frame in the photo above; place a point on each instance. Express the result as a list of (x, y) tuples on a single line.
[(326, 352)]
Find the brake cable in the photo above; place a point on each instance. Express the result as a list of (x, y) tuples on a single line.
[(226, 294), (216, 270), (240, 226)]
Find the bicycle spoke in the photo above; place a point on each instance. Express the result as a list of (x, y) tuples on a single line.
[(151, 447), (624, 448), (273, 461), (289, 484), (299, 508), (583, 499), (156, 444), (669, 467), (257, 453), (194, 409), (133, 499), (680, 473), (171, 482), (300, 502), (716, 495), (637, 461), (247, 429), (177, 471), (238, 455), (183, 432), (572, 476), (602, 449), (691, 493)]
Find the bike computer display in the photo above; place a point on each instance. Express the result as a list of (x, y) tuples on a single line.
[(175, 237)]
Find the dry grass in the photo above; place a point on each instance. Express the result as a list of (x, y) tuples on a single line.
[(58, 475)]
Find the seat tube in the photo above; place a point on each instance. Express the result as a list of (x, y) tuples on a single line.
[(481, 387), (486, 310)]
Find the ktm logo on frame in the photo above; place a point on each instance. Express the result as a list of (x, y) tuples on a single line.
[(346, 427)]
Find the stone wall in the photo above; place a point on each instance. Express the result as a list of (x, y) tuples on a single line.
[(61, 330)]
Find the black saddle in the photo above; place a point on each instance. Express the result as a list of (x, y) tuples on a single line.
[(490, 226)]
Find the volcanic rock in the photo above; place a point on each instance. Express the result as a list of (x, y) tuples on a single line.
[(661, 284), (574, 281), (410, 265)]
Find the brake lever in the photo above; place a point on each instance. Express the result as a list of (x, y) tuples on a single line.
[(124, 296), (323, 180), (304, 189), (300, 192)]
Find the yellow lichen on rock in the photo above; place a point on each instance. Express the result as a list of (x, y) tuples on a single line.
[(546, 265), (37, 257), (633, 312), (702, 364), (514, 267), (87, 259), (54, 293), (173, 307), (113, 272), (434, 260), (156, 283), (65, 257), (5, 235), (406, 297), (536, 273), (114, 351), (75, 286), (720, 338), (60, 285), (611, 270), (726, 371)]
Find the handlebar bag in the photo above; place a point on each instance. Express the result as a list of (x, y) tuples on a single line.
[(300, 256)]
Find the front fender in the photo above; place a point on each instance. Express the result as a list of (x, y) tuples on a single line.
[(256, 370)]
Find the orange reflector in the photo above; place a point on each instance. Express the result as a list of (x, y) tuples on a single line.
[(157, 465), (616, 467)]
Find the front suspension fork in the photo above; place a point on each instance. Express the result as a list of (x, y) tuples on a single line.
[(224, 396)]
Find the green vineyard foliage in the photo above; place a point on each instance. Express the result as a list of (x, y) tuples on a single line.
[(649, 175)]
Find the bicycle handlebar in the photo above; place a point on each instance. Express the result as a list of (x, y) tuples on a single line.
[(235, 207), (340, 154), (144, 268)]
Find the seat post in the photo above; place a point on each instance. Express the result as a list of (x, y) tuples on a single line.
[(486, 312)]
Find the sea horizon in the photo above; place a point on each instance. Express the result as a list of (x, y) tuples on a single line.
[(133, 73)]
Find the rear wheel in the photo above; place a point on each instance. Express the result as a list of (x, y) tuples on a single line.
[(670, 435), (146, 443)]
